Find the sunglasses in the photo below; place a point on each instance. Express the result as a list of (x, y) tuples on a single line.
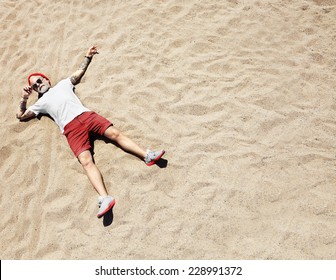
[(36, 84)]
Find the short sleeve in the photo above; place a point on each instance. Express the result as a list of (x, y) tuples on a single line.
[(38, 107), (68, 82)]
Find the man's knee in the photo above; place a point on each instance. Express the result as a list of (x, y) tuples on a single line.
[(112, 133), (85, 159)]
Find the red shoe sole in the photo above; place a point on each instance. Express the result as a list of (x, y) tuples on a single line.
[(156, 159), (110, 206)]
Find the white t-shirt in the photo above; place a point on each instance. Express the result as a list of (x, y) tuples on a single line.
[(61, 103)]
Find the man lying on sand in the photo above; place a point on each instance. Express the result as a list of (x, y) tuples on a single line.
[(77, 123)]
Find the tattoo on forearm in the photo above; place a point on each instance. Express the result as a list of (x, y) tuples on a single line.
[(23, 105), (85, 63), (76, 77)]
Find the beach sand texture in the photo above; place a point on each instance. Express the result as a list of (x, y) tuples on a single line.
[(241, 94)]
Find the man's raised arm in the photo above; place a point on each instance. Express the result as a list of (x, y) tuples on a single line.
[(23, 113), (77, 76)]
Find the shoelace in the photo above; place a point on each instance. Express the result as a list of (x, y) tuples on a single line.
[(100, 201), (149, 156)]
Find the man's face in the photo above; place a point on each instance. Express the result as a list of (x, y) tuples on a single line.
[(39, 84)]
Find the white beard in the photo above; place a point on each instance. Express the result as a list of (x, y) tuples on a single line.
[(43, 89)]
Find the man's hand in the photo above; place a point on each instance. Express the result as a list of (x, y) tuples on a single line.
[(27, 91), (92, 51)]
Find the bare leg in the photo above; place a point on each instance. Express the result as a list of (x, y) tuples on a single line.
[(124, 142), (92, 171)]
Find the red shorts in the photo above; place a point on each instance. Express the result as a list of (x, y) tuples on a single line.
[(78, 130)]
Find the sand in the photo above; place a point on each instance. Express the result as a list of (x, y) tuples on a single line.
[(240, 94)]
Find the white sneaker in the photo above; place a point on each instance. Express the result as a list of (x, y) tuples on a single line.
[(152, 157), (106, 205)]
